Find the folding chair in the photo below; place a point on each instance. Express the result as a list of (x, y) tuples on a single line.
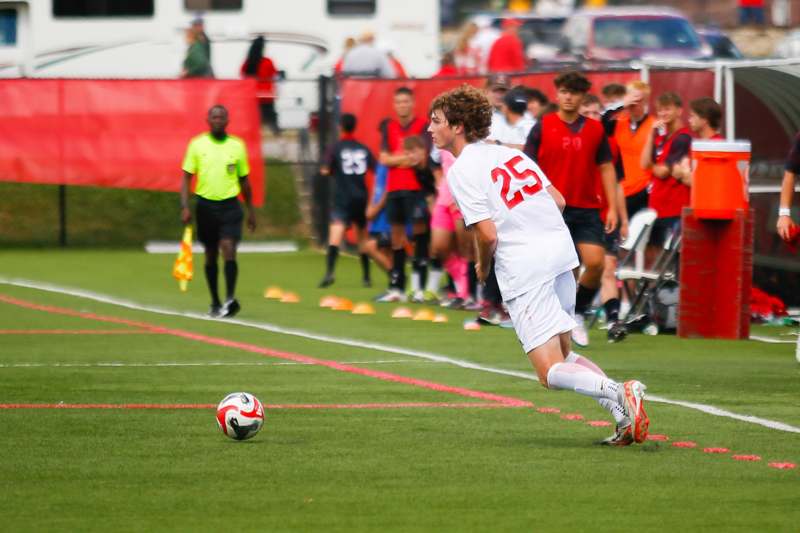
[(649, 281), (639, 227)]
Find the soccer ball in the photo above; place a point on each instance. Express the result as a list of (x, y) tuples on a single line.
[(240, 415)]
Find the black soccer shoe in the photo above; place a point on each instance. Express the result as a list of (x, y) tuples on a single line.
[(617, 332), (327, 281), (230, 308)]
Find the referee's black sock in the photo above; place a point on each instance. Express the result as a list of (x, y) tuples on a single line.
[(365, 267), (583, 300), (612, 309), (231, 272), (333, 253), (212, 271)]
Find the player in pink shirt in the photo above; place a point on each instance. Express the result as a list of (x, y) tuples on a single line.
[(450, 244)]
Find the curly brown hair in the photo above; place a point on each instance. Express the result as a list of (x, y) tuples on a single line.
[(466, 106)]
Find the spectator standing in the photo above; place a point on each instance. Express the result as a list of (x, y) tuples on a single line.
[(219, 161), (388, 49), (448, 68), (483, 41), (197, 63), (260, 67), (507, 53), (666, 148), (349, 43), (366, 60), (466, 55)]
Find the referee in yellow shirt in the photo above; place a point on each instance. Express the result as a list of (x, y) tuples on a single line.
[(220, 163)]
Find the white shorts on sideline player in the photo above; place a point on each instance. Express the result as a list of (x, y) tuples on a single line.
[(544, 311)]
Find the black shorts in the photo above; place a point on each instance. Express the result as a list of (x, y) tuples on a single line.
[(612, 242), (383, 238), (662, 229), (350, 211), (406, 207), (585, 225), (218, 219), (636, 202)]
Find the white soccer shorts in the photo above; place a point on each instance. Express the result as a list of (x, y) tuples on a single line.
[(544, 311)]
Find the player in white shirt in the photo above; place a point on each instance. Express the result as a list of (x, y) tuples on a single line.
[(515, 215), (519, 123)]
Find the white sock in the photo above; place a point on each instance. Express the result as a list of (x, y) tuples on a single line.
[(434, 279), (416, 281), (578, 378), (584, 361), (612, 406)]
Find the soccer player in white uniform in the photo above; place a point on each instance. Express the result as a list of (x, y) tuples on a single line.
[(515, 215)]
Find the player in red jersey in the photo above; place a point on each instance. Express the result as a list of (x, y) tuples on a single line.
[(574, 153), (663, 153), (405, 200)]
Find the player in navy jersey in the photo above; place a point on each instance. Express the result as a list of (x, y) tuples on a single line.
[(575, 154), (347, 161)]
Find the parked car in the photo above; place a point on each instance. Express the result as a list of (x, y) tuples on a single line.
[(629, 33), (721, 45), (789, 46)]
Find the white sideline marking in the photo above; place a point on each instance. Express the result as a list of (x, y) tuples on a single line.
[(247, 247), (709, 409), (204, 363), (770, 340)]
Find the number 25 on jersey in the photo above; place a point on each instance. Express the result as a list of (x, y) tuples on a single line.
[(509, 169)]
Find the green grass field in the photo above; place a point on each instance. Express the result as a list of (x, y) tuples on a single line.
[(439, 448)]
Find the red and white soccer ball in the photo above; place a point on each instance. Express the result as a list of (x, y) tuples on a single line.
[(240, 415)]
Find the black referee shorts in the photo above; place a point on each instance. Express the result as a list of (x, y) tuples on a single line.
[(217, 220), (585, 226)]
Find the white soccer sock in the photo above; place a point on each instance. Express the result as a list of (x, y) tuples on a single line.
[(416, 281), (612, 406), (578, 378), (434, 279), (584, 361)]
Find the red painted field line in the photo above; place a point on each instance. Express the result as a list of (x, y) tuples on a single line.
[(76, 332), (402, 405), (385, 376)]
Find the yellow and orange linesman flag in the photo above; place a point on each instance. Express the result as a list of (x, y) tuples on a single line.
[(183, 269)]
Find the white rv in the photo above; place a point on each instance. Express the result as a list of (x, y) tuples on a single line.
[(145, 38)]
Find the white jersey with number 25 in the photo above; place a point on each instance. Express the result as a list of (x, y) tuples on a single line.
[(502, 184)]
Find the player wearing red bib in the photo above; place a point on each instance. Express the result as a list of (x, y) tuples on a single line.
[(514, 213), (405, 200), (670, 143), (574, 153)]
